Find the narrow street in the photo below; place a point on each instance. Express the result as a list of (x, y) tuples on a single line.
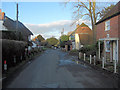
[(55, 69)]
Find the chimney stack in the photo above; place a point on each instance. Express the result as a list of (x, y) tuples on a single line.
[(2, 15)]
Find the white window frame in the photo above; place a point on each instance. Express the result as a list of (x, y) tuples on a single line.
[(107, 47), (107, 25)]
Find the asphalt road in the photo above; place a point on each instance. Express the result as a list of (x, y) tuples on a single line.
[(55, 69)]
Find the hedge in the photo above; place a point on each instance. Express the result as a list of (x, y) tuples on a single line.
[(11, 48), (12, 35), (91, 49)]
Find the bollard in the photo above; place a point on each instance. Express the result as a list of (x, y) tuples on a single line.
[(84, 56), (94, 60), (77, 62), (21, 57), (115, 66), (5, 65), (14, 59), (79, 55), (103, 62), (90, 59)]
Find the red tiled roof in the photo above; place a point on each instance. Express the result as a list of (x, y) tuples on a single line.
[(85, 34)]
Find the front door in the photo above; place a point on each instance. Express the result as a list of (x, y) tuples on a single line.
[(114, 50)]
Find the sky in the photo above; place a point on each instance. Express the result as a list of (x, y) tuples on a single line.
[(45, 18)]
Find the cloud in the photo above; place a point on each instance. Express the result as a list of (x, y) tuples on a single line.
[(53, 29)]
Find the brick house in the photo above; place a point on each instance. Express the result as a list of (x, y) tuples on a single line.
[(108, 31), (81, 36)]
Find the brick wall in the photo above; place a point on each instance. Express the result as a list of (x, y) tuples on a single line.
[(113, 32)]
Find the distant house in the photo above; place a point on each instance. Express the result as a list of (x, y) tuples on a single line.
[(2, 18), (71, 35), (72, 39), (108, 31), (34, 45), (8, 24), (81, 36), (68, 45), (35, 40)]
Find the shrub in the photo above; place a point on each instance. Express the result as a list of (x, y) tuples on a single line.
[(11, 48), (12, 35), (74, 50), (101, 46), (91, 49), (88, 49)]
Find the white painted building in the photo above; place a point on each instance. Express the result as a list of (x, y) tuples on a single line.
[(77, 42), (2, 27), (34, 45)]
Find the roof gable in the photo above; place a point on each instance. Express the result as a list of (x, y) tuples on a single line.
[(113, 12), (11, 25), (83, 28), (83, 25)]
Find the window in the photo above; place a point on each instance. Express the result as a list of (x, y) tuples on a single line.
[(107, 46), (108, 35), (107, 25)]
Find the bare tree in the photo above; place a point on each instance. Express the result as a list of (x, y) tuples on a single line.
[(87, 9)]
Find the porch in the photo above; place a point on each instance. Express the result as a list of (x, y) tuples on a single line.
[(110, 50)]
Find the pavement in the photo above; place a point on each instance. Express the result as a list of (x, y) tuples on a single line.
[(57, 69)]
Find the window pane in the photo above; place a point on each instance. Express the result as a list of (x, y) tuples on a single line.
[(107, 25), (107, 46)]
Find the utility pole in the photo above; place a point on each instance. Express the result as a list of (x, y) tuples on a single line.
[(17, 16), (17, 33)]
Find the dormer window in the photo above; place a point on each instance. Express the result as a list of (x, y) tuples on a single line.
[(107, 25)]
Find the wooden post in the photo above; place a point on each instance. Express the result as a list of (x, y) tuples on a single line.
[(99, 49), (115, 66), (90, 59), (117, 51), (77, 62), (111, 56), (14, 59), (104, 51), (84, 56), (94, 60), (21, 57), (103, 62), (79, 55)]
